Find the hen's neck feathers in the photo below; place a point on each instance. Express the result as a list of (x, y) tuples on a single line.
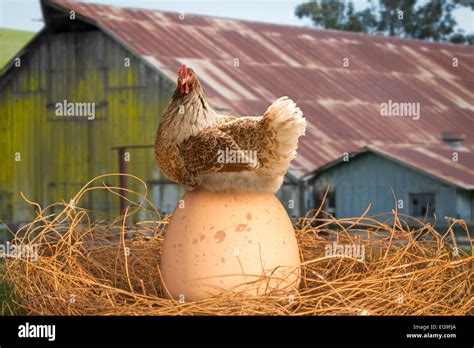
[(186, 115)]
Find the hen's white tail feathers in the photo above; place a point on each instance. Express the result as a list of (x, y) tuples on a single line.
[(288, 122)]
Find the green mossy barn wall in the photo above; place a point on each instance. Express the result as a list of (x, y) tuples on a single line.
[(60, 154)]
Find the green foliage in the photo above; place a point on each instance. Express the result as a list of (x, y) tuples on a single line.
[(5, 292), (397, 17), (466, 3), (12, 41), (332, 14), (434, 21), (428, 20), (460, 38)]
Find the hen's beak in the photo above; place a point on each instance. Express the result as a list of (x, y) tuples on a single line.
[(183, 85)]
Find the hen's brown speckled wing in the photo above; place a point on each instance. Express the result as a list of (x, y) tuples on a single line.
[(211, 150)]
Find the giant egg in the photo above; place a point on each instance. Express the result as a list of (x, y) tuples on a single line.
[(229, 242)]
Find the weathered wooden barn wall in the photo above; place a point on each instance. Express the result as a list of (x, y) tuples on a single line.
[(60, 154), (368, 179), (291, 195)]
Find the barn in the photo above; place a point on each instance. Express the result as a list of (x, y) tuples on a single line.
[(386, 116), (417, 180)]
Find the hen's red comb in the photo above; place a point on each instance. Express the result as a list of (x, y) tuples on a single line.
[(183, 72)]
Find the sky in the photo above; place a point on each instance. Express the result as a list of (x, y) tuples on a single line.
[(26, 14)]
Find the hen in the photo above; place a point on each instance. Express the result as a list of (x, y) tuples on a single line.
[(198, 148)]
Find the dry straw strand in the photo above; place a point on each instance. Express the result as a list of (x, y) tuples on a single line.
[(82, 267)]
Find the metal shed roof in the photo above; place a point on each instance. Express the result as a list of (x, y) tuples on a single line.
[(452, 166), (341, 103), (439, 160)]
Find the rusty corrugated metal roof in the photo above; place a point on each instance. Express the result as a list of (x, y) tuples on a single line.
[(439, 160), (342, 104)]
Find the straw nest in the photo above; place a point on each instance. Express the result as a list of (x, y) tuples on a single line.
[(85, 267)]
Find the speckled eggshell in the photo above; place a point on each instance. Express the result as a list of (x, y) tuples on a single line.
[(218, 242)]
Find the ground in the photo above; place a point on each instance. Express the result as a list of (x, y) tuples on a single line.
[(11, 41)]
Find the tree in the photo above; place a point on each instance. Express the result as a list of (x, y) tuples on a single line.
[(466, 3), (323, 13), (362, 21), (434, 21), (397, 17), (430, 20)]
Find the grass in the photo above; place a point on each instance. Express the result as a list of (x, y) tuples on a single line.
[(5, 295), (12, 41)]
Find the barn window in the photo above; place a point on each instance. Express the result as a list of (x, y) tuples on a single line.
[(422, 204), (330, 203), (331, 199), (6, 211)]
